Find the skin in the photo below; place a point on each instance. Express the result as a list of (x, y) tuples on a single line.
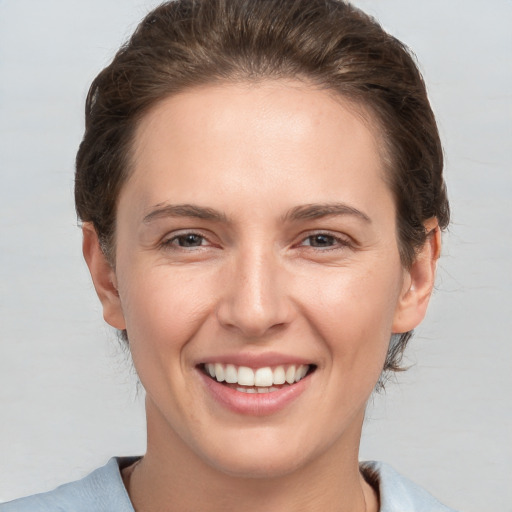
[(258, 278)]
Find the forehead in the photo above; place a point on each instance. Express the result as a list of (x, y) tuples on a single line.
[(259, 104), (259, 137)]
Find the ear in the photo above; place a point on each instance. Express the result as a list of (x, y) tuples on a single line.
[(103, 277), (419, 282)]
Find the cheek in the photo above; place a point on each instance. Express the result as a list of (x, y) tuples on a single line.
[(163, 307), (353, 311)]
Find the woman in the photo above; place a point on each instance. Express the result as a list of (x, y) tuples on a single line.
[(260, 185)]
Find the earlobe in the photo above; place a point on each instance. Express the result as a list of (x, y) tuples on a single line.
[(419, 282), (103, 277)]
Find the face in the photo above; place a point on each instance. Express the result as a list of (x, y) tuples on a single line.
[(256, 246)]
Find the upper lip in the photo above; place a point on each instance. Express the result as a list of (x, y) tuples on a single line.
[(256, 360)]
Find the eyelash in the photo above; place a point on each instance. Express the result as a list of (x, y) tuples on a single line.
[(337, 242), (169, 242)]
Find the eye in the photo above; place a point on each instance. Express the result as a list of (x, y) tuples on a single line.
[(186, 240), (320, 240), (326, 241)]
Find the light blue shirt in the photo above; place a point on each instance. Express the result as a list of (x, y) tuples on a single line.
[(103, 491)]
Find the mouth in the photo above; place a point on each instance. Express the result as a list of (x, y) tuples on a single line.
[(262, 380)]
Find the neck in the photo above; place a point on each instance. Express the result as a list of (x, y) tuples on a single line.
[(172, 478)]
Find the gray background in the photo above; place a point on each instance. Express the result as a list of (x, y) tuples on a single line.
[(68, 398)]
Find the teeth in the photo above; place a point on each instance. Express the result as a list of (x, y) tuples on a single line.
[(300, 373), (262, 378), (257, 390), (290, 375), (231, 374), (279, 375), (245, 376), (219, 372)]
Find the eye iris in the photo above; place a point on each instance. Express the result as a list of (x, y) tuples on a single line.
[(190, 240), (321, 240)]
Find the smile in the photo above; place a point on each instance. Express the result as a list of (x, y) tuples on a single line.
[(257, 380)]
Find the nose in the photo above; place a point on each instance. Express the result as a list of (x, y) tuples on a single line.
[(254, 300)]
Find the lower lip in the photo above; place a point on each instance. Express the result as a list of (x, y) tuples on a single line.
[(254, 404)]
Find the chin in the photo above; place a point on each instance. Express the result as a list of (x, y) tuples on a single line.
[(260, 455), (259, 465)]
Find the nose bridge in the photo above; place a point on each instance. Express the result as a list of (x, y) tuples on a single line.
[(253, 301)]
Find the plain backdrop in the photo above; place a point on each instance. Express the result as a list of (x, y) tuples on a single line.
[(68, 399)]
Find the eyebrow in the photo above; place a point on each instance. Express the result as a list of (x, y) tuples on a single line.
[(183, 210), (318, 211), (302, 212)]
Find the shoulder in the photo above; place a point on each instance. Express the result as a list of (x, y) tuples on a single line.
[(397, 493), (100, 491)]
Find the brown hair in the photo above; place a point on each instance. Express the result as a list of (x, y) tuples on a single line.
[(327, 43)]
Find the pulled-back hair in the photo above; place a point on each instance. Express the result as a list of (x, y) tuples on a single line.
[(327, 43)]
